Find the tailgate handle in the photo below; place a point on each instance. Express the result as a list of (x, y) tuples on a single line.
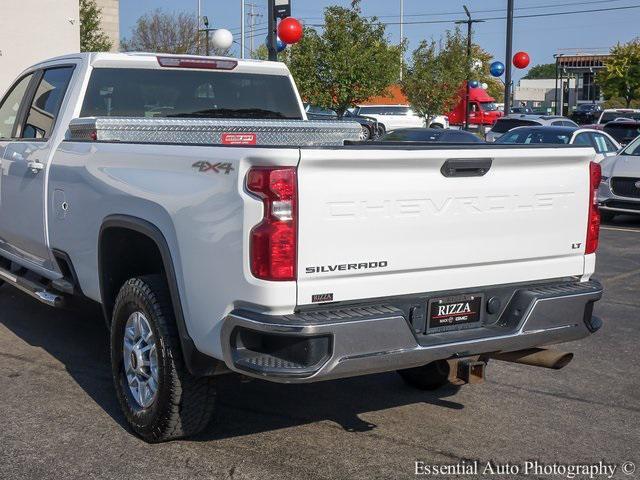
[(466, 167)]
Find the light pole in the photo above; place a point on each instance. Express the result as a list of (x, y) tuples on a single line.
[(242, 29), (198, 27), (469, 21), (401, 36), (507, 58)]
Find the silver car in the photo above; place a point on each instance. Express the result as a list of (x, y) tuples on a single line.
[(619, 190), (504, 124)]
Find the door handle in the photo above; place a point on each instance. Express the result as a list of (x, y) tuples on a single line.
[(466, 167), (35, 166)]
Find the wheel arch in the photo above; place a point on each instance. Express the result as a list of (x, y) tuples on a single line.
[(111, 278)]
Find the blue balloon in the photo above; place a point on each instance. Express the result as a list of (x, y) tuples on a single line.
[(497, 69), (280, 45), (474, 83)]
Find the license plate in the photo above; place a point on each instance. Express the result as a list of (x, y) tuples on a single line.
[(454, 313)]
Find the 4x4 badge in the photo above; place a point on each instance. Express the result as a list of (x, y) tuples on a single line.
[(215, 167)]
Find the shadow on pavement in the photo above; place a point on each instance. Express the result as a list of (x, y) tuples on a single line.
[(78, 339)]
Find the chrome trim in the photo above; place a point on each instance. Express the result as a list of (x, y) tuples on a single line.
[(385, 343), (37, 291)]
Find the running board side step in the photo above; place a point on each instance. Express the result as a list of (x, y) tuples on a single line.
[(30, 287)]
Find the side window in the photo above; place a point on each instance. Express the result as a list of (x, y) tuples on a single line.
[(583, 139), (11, 105), (46, 102), (610, 146), (601, 146), (557, 123)]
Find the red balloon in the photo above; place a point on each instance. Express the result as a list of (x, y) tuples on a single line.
[(521, 60), (290, 30)]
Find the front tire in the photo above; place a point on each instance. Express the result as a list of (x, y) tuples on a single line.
[(431, 376), (365, 133), (159, 397)]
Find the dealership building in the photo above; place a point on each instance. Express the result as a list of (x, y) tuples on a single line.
[(34, 30)]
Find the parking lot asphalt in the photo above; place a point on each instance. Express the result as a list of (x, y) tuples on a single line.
[(60, 419)]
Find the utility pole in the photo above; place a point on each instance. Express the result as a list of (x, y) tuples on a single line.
[(469, 21), (198, 28), (401, 36), (252, 23), (277, 9), (242, 29), (272, 33), (507, 58)]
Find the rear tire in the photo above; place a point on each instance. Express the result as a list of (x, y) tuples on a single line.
[(159, 397), (607, 216), (431, 376)]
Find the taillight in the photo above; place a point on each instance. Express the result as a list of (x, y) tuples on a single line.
[(273, 242), (593, 227)]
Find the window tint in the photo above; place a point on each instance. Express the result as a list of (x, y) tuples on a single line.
[(385, 111), (611, 116), (583, 139), (611, 147), (633, 148), (46, 102), (623, 132), (11, 105), (505, 124), (529, 137), (125, 92)]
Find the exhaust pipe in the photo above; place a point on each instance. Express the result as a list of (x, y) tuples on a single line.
[(536, 357)]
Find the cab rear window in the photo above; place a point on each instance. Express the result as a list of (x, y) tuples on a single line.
[(126, 92)]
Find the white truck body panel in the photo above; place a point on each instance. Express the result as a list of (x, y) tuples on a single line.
[(438, 233)]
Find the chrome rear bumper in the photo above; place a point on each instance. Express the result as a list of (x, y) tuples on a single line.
[(344, 342)]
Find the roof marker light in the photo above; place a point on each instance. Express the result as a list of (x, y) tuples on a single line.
[(201, 63)]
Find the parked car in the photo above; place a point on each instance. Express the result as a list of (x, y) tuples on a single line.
[(369, 126), (520, 110), (587, 113), (613, 114), (619, 191), (604, 145), (624, 131), (392, 117), (195, 203), (430, 135), (504, 124)]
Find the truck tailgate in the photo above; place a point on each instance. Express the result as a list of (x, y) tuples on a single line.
[(381, 221)]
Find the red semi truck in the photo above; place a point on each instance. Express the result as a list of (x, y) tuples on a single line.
[(482, 109)]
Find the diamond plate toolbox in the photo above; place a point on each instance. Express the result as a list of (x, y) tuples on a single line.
[(214, 131)]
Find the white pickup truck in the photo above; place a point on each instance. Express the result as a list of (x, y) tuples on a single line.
[(222, 231)]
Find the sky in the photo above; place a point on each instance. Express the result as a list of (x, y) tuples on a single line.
[(541, 37)]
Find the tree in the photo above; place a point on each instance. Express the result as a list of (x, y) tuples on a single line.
[(166, 33), (92, 37), (620, 76), (351, 60), (433, 80), (436, 77), (544, 70)]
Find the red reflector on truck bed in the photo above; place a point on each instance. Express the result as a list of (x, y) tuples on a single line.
[(204, 63)]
